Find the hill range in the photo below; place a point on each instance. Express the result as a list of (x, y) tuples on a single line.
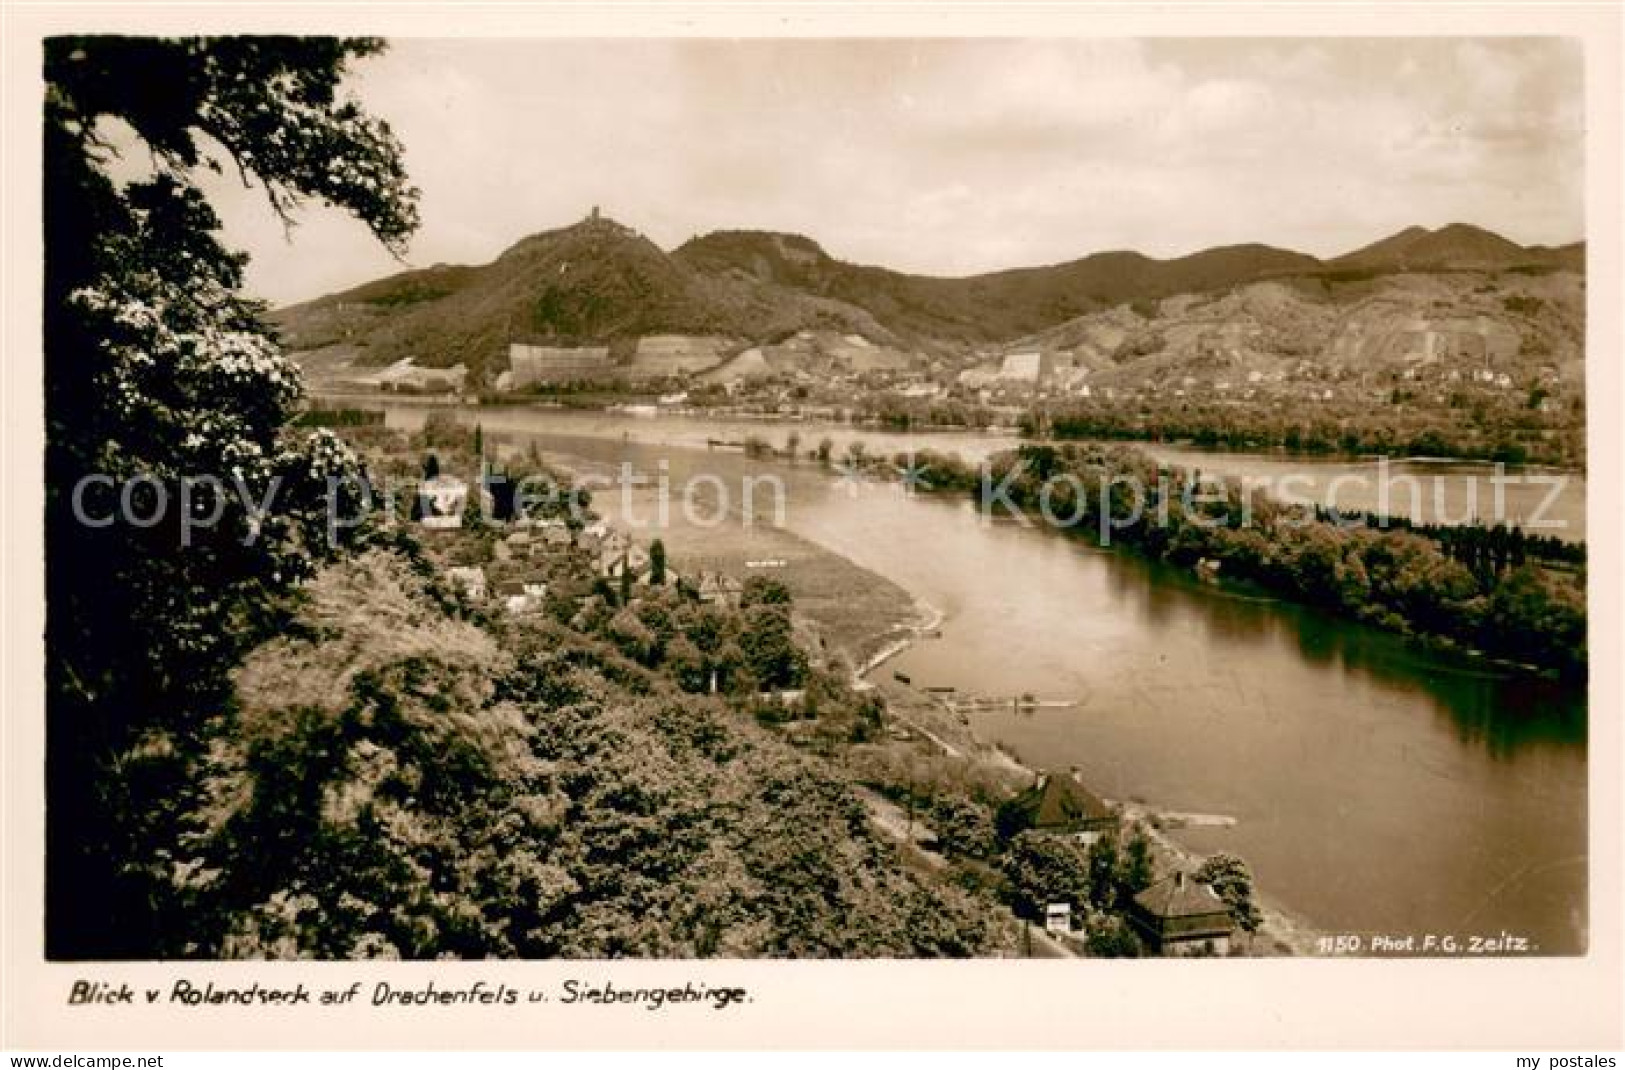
[(600, 282)]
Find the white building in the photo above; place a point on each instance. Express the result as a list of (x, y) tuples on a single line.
[(469, 582), (441, 501), (522, 596)]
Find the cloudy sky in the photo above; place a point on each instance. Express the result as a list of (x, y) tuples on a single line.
[(956, 156)]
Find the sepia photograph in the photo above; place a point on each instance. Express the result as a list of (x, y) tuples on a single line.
[(813, 497)]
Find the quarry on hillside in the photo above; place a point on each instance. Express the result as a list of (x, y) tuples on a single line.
[(1447, 318)]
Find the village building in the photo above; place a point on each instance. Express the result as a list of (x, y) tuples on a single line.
[(406, 376), (608, 549), (632, 559), (551, 534), (520, 543), (978, 378), (718, 588), (441, 501), (469, 581), (414, 379), (595, 537), (1182, 916), (1061, 805), (522, 595), (1058, 918)]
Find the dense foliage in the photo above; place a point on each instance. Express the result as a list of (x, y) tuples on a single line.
[(1103, 876), (1516, 597), (1471, 424), (1232, 882), (158, 371), (1395, 579), (404, 779)]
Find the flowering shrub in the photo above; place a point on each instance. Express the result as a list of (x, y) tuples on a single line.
[(160, 375)]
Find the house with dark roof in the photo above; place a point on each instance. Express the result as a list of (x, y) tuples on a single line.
[(1060, 805), (522, 595), (1181, 916), (719, 588)]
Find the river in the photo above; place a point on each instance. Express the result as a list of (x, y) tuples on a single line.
[(1544, 501), (1377, 789)]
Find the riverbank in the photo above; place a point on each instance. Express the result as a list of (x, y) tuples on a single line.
[(930, 620), (1177, 686), (1492, 592), (1281, 931), (859, 621), (821, 418), (1281, 452)]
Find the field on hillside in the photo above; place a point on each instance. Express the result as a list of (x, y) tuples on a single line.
[(855, 612)]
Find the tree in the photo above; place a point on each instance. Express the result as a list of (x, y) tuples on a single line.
[(657, 564), (769, 647), (764, 591), (1112, 938), (687, 666), (1134, 869), (1103, 869), (868, 720), (474, 509), (158, 370), (1046, 869), (504, 492), (431, 466), (1013, 817), (963, 827), (1232, 881), (634, 638)]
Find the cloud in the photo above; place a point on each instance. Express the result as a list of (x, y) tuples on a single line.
[(955, 156)]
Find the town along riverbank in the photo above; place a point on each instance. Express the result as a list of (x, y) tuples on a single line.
[(859, 622), (931, 719), (1378, 787)]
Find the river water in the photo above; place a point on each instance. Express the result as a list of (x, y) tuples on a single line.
[(1543, 501), (1378, 790)]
